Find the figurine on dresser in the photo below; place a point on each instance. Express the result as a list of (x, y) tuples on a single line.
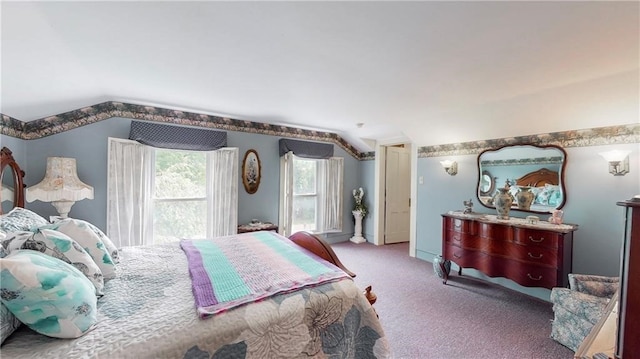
[(556, 217)]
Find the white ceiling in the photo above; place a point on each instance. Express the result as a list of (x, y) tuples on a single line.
[(429, 72)]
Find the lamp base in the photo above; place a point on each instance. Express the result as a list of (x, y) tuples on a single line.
[(63, 207)]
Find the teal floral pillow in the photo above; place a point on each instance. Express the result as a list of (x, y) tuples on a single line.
[(48, 295), (111, 248), (80, 232), (57, 245), (21, 219)]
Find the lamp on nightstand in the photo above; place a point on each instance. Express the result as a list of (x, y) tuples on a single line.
[(60, 186)]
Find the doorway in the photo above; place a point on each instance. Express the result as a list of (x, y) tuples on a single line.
[(397, 198)]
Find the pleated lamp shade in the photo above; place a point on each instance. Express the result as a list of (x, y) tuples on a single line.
[(60, 186)]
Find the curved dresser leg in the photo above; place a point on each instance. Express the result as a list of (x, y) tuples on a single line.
[(445, 267)]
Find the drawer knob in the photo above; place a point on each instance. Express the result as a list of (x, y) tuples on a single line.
[(531, 277), (536, 240), (535, 257), (457, 255)]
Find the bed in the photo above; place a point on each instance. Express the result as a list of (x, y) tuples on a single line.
[(545, 186), (148, 310)]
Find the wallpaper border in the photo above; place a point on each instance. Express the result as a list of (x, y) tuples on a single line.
[(52, 125), (609, 135)]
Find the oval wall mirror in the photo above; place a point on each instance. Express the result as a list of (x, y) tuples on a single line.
[(12, 186), (524, 168)]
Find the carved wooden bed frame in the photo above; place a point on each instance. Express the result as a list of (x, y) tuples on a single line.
[(539, 178)]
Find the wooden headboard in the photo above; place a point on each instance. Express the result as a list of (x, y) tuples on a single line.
[(539, 178)]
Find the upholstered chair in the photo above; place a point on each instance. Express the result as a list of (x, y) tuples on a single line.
[(578, 308)]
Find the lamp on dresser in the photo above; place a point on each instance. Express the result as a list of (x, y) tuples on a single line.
[(60, 186)]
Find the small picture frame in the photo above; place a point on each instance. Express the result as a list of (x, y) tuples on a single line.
[(251, 171)]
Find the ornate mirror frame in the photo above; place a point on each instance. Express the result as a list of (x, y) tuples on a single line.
[(251, 171), (16, 179), (541, 168)]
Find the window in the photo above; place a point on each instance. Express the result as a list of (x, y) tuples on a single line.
[(305, 195), (180, 195), (312, 194), (160, 195)]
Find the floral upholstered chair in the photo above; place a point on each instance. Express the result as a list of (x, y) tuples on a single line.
[(578, 308)]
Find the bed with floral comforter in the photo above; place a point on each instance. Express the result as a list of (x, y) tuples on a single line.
[(148, 311)]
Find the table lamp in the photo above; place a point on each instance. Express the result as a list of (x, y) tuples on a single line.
[(60, 186)]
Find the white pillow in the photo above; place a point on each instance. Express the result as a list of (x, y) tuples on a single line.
[(48, 295), (61, 246), (80, 232)]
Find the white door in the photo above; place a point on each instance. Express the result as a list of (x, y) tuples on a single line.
[(398, 195)]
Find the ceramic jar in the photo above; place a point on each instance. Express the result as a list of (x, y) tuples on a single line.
[(503, 200), (441, 267), (524, 197)]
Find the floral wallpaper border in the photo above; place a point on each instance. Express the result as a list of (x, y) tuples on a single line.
[(523, 161), (576, 138), (85, 116)]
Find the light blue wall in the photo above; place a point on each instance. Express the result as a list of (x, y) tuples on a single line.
[(88, 145), (592, 193)]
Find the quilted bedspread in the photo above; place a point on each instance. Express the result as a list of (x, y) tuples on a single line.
[(148, 311)]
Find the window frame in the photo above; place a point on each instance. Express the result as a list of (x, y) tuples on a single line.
[(207, 199)]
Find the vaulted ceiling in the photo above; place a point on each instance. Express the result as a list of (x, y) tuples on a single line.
[(428, 72)]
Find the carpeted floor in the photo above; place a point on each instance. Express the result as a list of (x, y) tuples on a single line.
[(467, 318)]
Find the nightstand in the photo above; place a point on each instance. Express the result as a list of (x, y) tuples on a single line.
[(244, 228)]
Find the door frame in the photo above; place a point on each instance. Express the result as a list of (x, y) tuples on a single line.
[(379, 187)]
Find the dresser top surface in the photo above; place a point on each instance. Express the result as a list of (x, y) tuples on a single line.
[(513, 221)]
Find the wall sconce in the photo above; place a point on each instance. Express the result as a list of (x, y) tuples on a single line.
[(60, 186), (451, 167), (618, 161)]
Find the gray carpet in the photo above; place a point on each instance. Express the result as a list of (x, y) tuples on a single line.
[(467, 318)]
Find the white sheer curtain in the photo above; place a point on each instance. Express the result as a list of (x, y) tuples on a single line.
[(224, 192), (130, 187), (332, 194), (129, 191), (286, 194)]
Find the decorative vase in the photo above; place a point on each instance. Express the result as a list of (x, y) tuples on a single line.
[(503, 200), (524, 197), (357, 236), (441, 267)]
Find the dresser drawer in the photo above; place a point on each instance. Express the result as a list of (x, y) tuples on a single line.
[(532, 237), (531, 275), (537, 255), (494, 231), (459, 225), (460, 239)]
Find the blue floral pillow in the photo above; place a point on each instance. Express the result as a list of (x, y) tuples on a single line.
[(48, 295), (21, 219), (58, 245), (80, 232), (108, 244)]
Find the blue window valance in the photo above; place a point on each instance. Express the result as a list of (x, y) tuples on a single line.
[(306, 149), (177, 137)]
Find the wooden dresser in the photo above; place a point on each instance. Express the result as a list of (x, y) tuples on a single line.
[(532, 255)]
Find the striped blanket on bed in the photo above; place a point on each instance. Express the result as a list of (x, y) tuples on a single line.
[(230, 271)]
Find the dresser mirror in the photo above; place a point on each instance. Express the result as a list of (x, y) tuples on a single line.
[(10, 180), (526, 168)]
